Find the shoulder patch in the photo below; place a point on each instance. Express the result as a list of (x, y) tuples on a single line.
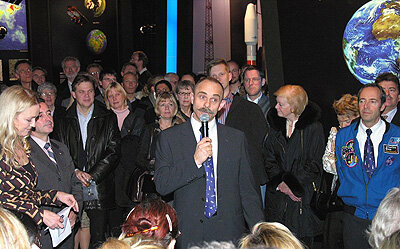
[(349, 155), (394, 140)]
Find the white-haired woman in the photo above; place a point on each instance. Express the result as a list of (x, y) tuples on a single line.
[(294, 150), (386, 220)]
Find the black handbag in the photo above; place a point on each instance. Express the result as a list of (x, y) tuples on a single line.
[(320, 199), (141, 181)]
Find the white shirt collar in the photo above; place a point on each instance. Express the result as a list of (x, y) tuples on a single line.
[(256, 100), (143, 70), (39, 141), (390, 115)]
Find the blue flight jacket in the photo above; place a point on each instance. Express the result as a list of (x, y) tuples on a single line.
[(356, 188)]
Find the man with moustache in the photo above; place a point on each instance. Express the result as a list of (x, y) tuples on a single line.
[(368, 165), (71, 67), (390, 83), (55, 171), (186, 166)]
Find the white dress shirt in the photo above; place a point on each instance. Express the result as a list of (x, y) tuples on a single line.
[(376, 137), (390, 115), (256, 100), (213, 135), (41, 144)]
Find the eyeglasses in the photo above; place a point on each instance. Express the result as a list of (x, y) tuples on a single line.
[(48, 94), (184, 94), (255, 79), (94, 73)]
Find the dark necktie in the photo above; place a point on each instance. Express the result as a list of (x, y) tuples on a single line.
[(211, 201), (369, 159), (50, 153)]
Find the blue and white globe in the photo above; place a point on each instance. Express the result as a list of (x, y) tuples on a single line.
[(371, 41)]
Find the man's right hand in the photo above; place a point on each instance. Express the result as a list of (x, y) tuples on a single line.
[(203, 150), (83, 177), (52, 220)]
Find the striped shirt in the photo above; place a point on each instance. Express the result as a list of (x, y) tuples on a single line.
[(223, 113)]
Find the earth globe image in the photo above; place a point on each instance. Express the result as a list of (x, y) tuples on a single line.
[(96, 41), (371, 41)]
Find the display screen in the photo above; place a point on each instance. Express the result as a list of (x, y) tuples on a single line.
[(13, 18)]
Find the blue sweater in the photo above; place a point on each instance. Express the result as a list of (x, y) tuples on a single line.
[(356, 188)]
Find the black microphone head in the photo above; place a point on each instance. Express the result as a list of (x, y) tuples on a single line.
[(204, 117)]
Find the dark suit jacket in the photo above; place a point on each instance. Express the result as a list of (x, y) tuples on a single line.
[(143, 78), (396, 118), (238, 197), (264, 104), (62, 92), (248, 118), (60, 178)]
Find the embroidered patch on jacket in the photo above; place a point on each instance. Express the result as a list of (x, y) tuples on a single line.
[(391, 149), (349, 155), (389, 160), (394, 140)]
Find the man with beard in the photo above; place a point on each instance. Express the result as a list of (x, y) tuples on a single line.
[(71, 67), (215, 194), (390, 83), (235, 84)]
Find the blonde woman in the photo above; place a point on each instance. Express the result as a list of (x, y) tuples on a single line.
[(270, 234), (294, 150), (17, 172)]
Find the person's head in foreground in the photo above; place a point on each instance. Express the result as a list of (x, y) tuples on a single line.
[(270, 234), (386, 220), (12, 232), (134, 242), (153, 218), (391, 242)]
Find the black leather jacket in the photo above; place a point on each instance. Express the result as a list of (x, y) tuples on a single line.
[(102, 147)]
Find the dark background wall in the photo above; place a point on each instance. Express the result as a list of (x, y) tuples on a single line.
[(311, 34), (53, 35), (302, 40)]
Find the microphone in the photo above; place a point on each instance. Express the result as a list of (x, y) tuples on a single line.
[(204, 124)]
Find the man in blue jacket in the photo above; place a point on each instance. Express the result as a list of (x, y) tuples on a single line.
[(368, 165)]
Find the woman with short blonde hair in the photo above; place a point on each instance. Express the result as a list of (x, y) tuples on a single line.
[(296, 96), (270, 234), (293, 149)]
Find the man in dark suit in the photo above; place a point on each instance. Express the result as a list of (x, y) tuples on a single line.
[(232, 198), (253, 84), (390, 83), (139, 58), (243, 115), (55, 171)]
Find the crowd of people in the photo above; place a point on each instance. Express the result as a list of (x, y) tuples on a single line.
[(212, 163)]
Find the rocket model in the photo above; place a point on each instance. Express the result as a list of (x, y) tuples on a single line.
[(250, 33)]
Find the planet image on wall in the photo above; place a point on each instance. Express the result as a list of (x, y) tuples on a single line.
[(96, 41), (96, 6), (371, 41)]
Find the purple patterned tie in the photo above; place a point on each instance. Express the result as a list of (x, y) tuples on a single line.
[(369, 159), (211, 201)]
